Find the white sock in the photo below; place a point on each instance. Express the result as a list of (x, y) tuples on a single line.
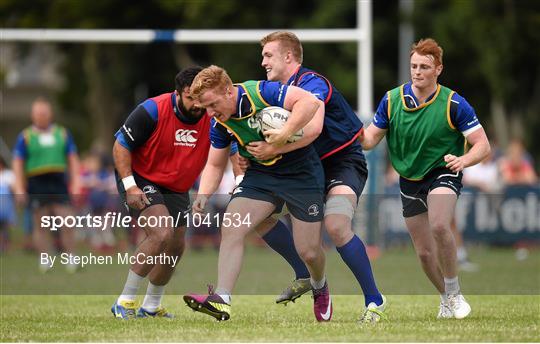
[(131, 287), (318, 284), (451, 286), (224, 294), (444, 299), (154, 294)]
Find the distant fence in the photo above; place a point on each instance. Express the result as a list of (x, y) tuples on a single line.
[(505, 218)]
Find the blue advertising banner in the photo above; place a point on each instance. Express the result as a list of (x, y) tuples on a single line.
[(505, 218)]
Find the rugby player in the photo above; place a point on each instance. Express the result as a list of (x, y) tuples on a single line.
[(427, 127), (293, 178), (344, 166), (159, 152)]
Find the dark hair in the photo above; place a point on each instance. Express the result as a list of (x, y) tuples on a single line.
[(185, 77)]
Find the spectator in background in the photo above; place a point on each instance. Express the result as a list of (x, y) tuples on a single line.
[(484, 176), (7, 210), (515, 168), (44, 156), (100, 184)]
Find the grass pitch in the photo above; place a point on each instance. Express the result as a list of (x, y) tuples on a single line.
[(258, 319), (499, 314)]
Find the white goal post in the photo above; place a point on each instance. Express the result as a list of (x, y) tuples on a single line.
[(361, 35)]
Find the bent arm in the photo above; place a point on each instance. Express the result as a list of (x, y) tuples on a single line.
[(213, 171), (122, 160), (312, 130), (371, 136), (303, 106), (480, 148)]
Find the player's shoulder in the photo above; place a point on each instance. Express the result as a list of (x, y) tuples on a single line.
[(398, 91), (152, 105), (160, 98), (216, 126), (460, 103), (306, 75), (458, 98)]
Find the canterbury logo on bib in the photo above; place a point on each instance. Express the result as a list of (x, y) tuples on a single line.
[(185, 137)]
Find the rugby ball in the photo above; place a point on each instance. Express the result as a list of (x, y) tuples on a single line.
[(274, 117)]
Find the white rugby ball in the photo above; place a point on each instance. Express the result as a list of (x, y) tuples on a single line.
[(274, 117)]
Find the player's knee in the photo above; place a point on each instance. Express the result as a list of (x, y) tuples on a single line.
[(308, 256), (440, 228), (339, 231), (339, 205), (230, 236), (425, 255), (162, 236)]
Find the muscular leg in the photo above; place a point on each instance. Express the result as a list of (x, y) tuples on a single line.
[(156, 239), (441, 205), (155, 243), (162, 273), (426, 249), (350, 247), (231, 250), (278, 237), (308, 243), (338, 225)]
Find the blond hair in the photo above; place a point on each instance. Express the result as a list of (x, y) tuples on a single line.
[(210, 78), (428, 47), (288, 41)]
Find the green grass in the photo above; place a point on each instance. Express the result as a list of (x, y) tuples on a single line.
[(257, 318), (397, 271), (503, 295)]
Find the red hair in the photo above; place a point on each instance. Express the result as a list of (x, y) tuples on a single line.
[(428, 47)]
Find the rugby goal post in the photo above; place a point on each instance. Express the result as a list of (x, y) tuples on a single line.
[(362, 35)]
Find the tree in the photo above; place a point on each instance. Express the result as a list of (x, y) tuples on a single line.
[(491, 52)]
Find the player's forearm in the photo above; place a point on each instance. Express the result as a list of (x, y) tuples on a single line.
[(478, 152), (210, 179), (302, 113), (235, 163), (20, 179), (122, 160), (370, 137), (312, 130)]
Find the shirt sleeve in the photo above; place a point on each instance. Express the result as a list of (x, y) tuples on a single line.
[(463, 116), (234, 148), (19, 151), (219, 136), (71, 148), (316, 85), (380, 120), (273, 92), (139, 125)]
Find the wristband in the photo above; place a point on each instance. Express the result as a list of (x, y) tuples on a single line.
[(128, 182)]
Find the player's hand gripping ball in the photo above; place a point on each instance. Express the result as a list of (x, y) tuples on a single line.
[(274, 117)]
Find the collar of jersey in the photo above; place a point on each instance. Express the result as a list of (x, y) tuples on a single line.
[(181, 117), (406, 90), (292, 79), (243, 94)]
